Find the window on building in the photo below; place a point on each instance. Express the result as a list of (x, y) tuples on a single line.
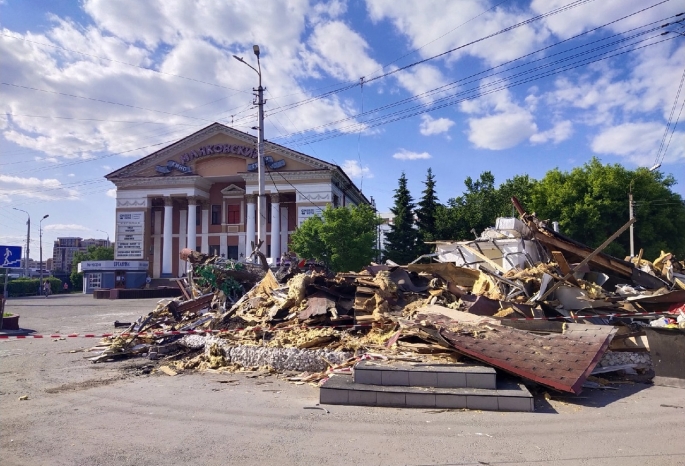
[(94, 280), (214, 250), (198, 215), (233, 214), (336, 200), (216, 215)]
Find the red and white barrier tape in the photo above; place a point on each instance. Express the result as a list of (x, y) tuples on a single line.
[(256, 329)]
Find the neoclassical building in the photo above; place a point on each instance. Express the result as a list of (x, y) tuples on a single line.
[(201, 193)]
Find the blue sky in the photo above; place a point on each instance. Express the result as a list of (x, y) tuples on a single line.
[(465, 86)]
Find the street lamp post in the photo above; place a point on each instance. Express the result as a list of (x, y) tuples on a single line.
[(28, 241), (103, 231), (40, 225), (261, 198)]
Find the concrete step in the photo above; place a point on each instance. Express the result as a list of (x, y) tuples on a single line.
[(509, 396), (397, 373)]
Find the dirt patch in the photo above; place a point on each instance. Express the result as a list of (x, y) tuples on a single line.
[(85, 385)]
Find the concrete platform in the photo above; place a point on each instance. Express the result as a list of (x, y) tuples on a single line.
[(509, 396), (425, 375)]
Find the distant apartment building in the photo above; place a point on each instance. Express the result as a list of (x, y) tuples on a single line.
[(64, 249)]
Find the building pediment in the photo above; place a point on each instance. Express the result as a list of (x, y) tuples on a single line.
[(233, 190), (208, 148)]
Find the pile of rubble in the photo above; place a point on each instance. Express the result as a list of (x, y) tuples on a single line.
[(521, 298)]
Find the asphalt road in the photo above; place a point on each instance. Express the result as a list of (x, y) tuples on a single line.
[(79, 413)]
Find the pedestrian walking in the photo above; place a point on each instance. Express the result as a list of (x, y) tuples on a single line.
[(65, 287), (147, 282), (46, 289)]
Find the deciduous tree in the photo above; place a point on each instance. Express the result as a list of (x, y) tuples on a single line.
[(343, 238)]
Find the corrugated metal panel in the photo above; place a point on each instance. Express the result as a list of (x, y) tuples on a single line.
[(559, 361)]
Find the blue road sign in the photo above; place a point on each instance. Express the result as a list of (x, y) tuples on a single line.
[(10, 257)]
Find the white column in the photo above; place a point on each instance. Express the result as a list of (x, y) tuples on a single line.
[(249, 224), (262, 224), (182, 224), (275, 228), (284, 229), (192, 223), (157, 245), (205, 228), (166, 237), (223, 244)]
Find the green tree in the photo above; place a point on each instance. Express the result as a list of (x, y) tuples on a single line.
[(480, 205), (343, 238), (426, 215), (94, 253), (591, 202), (400, 245)]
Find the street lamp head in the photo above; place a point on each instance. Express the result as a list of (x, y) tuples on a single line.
[(655, 167), (46, 216), (255, 48)]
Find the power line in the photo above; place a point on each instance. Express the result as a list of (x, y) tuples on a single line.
[(445, 87), (661, 154), (450, 100)]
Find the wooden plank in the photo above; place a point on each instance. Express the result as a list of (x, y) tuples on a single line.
[(588, 258), (485, 259), (182, 287), (563, 266), (460, 276)]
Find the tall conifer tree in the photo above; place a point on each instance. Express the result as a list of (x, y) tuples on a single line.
[(426, 213), (400, 245)]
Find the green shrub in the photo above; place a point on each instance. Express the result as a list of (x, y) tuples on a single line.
[(29, 286)]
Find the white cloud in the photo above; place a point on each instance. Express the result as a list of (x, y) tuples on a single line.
[(107, 167), (405, 154), (498, 122), (434, 26), (112, 193), (421, 81), (340, 52), (501, 131), (431, 126), (355, 170), (65, 227), (560, 132), (44, 189), (71, 175), (638, 142)]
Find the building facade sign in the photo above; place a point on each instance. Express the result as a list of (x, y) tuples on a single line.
[(99, 266), (172, 164), (249, 152), (269, 162), (303, 213), (129, 235)]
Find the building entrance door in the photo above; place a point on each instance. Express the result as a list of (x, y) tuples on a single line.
[(119, 279)]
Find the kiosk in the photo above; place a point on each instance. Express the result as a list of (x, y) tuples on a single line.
[(113, 274)]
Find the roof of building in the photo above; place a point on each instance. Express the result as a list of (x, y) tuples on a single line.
[(219, 127)]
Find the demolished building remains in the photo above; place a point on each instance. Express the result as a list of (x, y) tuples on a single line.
[(521, 298)]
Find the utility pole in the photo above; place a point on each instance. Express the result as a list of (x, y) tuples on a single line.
[(40, 225), (631, 214), (261, 197), (630, 217)]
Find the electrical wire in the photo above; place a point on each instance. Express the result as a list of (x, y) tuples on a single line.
[(661, 153)]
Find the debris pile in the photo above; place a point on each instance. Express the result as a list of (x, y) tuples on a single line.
[(522, 298)]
